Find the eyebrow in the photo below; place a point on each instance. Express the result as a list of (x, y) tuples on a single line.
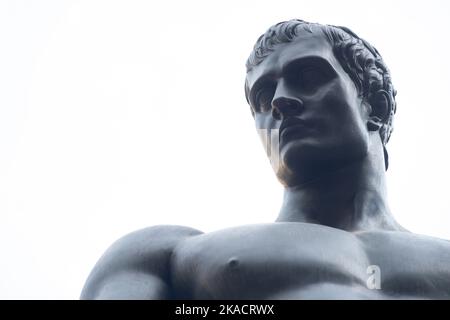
[(309, 60), (321, 62)]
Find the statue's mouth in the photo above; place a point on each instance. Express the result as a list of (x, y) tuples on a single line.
[(291, 128)]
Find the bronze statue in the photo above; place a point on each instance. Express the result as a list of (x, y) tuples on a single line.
[(324, 102)]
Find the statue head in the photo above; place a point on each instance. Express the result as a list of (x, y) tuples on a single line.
[(314, 83)]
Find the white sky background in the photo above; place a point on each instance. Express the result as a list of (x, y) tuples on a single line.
[(117, 115)]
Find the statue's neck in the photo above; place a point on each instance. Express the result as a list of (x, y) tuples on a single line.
[(351, 198)]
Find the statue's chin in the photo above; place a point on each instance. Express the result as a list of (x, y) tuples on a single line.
[(298, 159), (297, 168), (296, 171)]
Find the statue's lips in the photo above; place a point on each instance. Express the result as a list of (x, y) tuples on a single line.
[(292, 128)]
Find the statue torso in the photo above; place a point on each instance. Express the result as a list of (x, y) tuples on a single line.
[(309, 261)]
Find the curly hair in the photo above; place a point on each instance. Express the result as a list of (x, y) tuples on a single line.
[(359, 59)]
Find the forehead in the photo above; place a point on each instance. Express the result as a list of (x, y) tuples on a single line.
[(305, 45)]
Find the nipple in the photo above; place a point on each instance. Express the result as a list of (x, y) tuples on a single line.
[(233, 262)]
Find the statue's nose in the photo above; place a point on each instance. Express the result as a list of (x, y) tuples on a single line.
[(283, 107)]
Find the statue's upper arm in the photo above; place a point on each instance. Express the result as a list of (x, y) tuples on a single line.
[(137, 265)]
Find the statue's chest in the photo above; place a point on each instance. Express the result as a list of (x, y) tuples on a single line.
[(262, 260), (296, 261)]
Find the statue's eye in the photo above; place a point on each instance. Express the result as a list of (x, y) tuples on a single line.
[(311, 78), (308, 77), (263, 100)]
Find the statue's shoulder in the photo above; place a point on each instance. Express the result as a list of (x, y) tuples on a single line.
[(162, 234), (154, 242), (142, 254)]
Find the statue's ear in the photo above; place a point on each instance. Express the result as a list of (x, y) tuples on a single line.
[(380, 106)]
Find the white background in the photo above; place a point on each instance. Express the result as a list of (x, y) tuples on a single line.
[(117, 115)]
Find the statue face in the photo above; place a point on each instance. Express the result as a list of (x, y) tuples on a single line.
[(301, 92)]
